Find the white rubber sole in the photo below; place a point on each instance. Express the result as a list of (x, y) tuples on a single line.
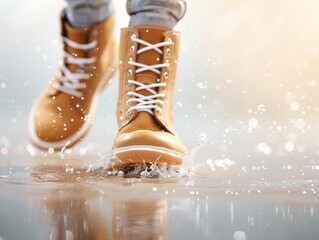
[(144, 154), (86, 126)]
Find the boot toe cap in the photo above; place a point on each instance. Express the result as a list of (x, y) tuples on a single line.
[(52, 129), (149, 138), (48, 127)]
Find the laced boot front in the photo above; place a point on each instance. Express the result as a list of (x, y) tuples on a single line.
[(148, 62), (64, 112)]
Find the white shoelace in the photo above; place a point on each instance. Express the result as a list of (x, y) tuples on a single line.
[(147, 103), (71, 81)]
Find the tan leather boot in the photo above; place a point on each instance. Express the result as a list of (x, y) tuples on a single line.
[(148, 62), (64, 112)]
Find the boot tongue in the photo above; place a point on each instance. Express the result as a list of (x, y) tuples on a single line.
[(78, 35), (152, 34)]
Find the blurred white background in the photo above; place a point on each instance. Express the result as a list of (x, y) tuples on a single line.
[(247, 86)]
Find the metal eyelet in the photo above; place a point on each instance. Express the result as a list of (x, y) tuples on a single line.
[(165, 75), (128, 112), (132, 48), (129, 60), (169, 40), (129, 72), (128, 84), (168, 51), (133, 35)]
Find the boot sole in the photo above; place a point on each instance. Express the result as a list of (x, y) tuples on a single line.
[(144, 155), (79, 135)]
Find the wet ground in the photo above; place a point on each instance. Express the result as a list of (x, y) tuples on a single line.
[(54, 198)]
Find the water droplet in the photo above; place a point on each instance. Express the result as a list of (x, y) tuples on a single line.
[(203, 138), (289, 146), (262, 108), (209, 161), (30, 150), (3, 85), (201, 85), (82, 151), (294, 106), (314, 52), (51, 150), (313, 83), (252, 123), (264, 148), (4, 151), (228, 162), (300, 123)]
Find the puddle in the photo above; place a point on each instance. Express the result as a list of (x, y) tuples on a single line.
[(54, 202)]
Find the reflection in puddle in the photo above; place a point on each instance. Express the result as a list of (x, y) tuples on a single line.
[(238, 235), (78, 211), (51, 202), (89, 216), (74, 209), (140, 219)]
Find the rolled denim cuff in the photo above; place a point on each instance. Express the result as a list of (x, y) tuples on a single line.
[(85, 13), (162, 12)]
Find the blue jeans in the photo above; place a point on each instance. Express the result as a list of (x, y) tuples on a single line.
[(83, 13), (162, 12)]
